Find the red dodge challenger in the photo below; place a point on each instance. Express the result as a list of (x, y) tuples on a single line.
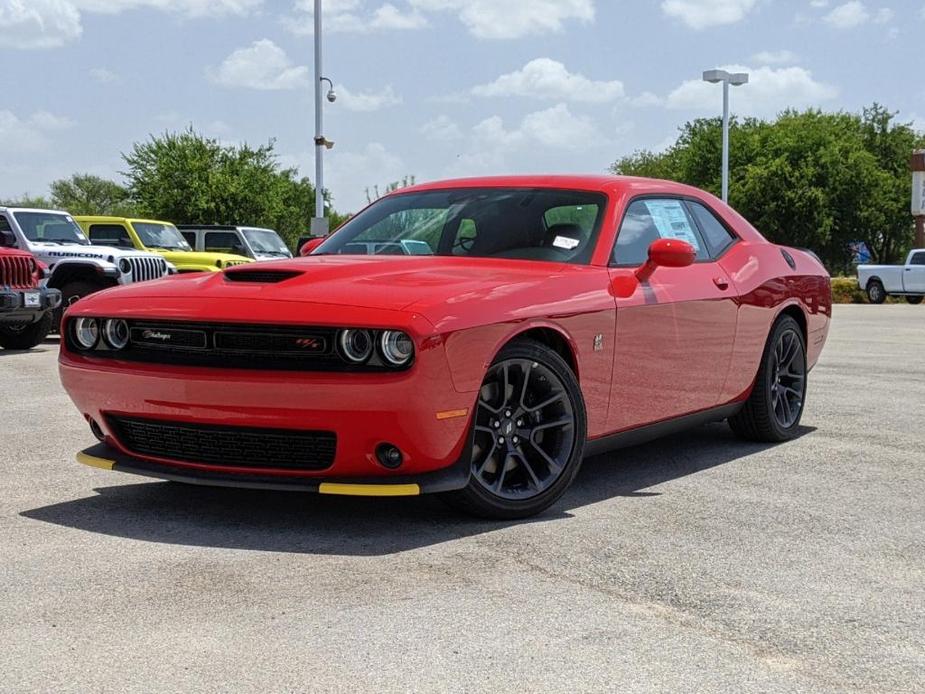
[(473, 338)]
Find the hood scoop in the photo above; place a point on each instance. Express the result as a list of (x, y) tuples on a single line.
[(260, 276)]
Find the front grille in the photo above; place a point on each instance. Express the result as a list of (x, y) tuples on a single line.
[(228, 446), (16, 271), (144, 269), (261, 276), (232, 346)]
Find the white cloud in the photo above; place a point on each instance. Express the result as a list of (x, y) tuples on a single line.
[(189, 8), (366, 102), (38, 23), (848, 15), (350, 173), (555, 127), (351, 16), (884, 16), (769, 91), (441, 129), (700, 14), (262, 65), (491, 19), (52, 23), (647, 99), (775, 57), (103, 76), (30, 134), (544, 78)]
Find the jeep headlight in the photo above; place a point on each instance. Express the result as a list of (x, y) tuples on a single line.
[(125, 267)]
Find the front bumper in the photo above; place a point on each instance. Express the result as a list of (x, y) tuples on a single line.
[(418, 411), (106, 457), (27, 305)]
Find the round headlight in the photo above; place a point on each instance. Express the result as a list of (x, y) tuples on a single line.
[(397, 347), (355, 345), (115, 332), (125, 266), (86, 332)]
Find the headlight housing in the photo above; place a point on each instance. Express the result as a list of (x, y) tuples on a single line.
[(355, 345), (396, 347), (116, 333), (125, 266), (86, 332)]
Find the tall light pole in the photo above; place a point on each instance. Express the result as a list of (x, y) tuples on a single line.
[(736, 79), (320, 221)]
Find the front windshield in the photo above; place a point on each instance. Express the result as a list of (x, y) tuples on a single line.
[(266, 241), (163, 236), (50, 227), (519, 223)]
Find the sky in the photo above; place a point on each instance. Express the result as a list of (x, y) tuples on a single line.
[(429, 88)]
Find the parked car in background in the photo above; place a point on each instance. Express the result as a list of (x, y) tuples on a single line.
[(158, 237), (881, 281), (253, 242), (76, 267), (26, 307), (552, 317)]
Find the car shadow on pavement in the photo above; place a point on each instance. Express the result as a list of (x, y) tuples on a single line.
[(314, 524), (50, 344)]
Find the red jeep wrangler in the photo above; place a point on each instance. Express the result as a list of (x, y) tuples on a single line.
[(26, 308)]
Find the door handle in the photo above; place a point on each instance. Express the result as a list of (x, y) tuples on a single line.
[(721, 282)]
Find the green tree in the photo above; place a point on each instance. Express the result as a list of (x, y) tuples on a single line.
[(809, 179), (88, 194), (26, 200), (188, 178)]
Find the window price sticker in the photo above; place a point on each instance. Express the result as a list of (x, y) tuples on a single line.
[(671, 221)]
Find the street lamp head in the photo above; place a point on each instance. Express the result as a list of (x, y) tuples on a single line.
[(715, 76), (738, 79)]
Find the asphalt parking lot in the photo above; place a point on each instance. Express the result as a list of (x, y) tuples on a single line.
[(698, 563)]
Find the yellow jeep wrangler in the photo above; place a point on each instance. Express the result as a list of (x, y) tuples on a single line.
[(158, 237)]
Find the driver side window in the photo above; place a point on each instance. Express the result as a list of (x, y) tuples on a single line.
[(650, 219)]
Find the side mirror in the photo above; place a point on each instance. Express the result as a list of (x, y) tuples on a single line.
[(666, 253), (311, 245), (7, 239)]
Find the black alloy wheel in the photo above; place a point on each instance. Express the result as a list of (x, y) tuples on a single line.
[(788, 384), (528, 434), (773, 411)]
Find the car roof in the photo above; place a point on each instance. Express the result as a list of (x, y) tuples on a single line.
[(113, 218), (32, 209), (593, 183)]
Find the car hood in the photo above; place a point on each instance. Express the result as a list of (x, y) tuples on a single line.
[(395, 283)]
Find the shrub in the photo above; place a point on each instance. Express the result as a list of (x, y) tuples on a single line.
[(845, 290)]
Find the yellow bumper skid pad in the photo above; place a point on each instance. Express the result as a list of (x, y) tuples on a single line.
[(93, 461), (369, 489)]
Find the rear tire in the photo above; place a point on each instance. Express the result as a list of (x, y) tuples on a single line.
[(915, 300), (71, 292), (773, 411), (528, 435), (876, 294), (28, 336)]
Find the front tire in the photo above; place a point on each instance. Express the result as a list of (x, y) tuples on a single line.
[(528, 435), (914, 300), (876, 294), (27, 336), (773, 411)]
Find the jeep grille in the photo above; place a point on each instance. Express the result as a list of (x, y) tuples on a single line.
[(144, 269), (17, 271)]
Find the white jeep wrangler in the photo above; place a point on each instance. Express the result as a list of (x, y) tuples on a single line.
[(74, 266)]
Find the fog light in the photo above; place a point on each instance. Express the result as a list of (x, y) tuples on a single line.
[(95, 428), (86, 332), (389, 456)]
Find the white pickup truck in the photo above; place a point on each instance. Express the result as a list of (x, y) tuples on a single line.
[(881, 281)]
